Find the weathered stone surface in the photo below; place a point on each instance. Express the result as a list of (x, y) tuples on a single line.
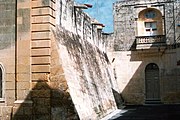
[(89, 74), (41, 93), (130, 63), (40, 53), (6, 112), (41, 27), (24, 24), (41, 68), (64, 78), (39, 77), (7, 26)]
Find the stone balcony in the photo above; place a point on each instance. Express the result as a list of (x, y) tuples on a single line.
[(150, 42)]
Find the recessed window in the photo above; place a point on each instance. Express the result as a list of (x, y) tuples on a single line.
[(150, 22), (150, 14), (151, 28)]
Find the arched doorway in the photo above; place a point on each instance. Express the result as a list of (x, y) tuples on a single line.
[(152, 82)]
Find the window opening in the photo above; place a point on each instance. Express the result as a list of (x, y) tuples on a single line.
[(150, 14), (151, 28)]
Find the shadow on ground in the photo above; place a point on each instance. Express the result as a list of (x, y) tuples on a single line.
[(149, 112)]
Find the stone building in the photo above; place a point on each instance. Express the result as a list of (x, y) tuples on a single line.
[(56, 63), (53, 63), (144, 50)]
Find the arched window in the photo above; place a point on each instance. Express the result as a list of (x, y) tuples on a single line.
[(150, 22)]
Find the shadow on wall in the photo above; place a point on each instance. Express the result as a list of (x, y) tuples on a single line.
[(148, 87), (138, 89), (118, 99), (45, 103), (135, 90), (134, 93)]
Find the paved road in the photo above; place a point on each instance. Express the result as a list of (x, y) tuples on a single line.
[(149, 112)]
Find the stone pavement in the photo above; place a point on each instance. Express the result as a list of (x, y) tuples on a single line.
[(146, 112)]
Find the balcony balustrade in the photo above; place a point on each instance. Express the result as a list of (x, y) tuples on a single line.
[(150, 42), (150, 39)]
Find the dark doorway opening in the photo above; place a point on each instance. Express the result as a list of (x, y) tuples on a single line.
[(152, 83)]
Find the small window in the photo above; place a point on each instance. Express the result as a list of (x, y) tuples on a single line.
[(148, 30), (150, 14), (151, 28), (150, 25), (154, 29)]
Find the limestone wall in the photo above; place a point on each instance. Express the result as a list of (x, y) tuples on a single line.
[(170, 77), (7, 56), (75, 20), (55, 62), (126, 21), (88, 76), (15, 53), (131, 75), (129, 64), (86, 73)]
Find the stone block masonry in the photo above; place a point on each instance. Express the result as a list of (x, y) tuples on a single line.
[(53, 61), (87, 75), (7, 57), (42, 22), (130, 63)]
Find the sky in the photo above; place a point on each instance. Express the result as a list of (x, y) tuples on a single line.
[(102, 11)]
